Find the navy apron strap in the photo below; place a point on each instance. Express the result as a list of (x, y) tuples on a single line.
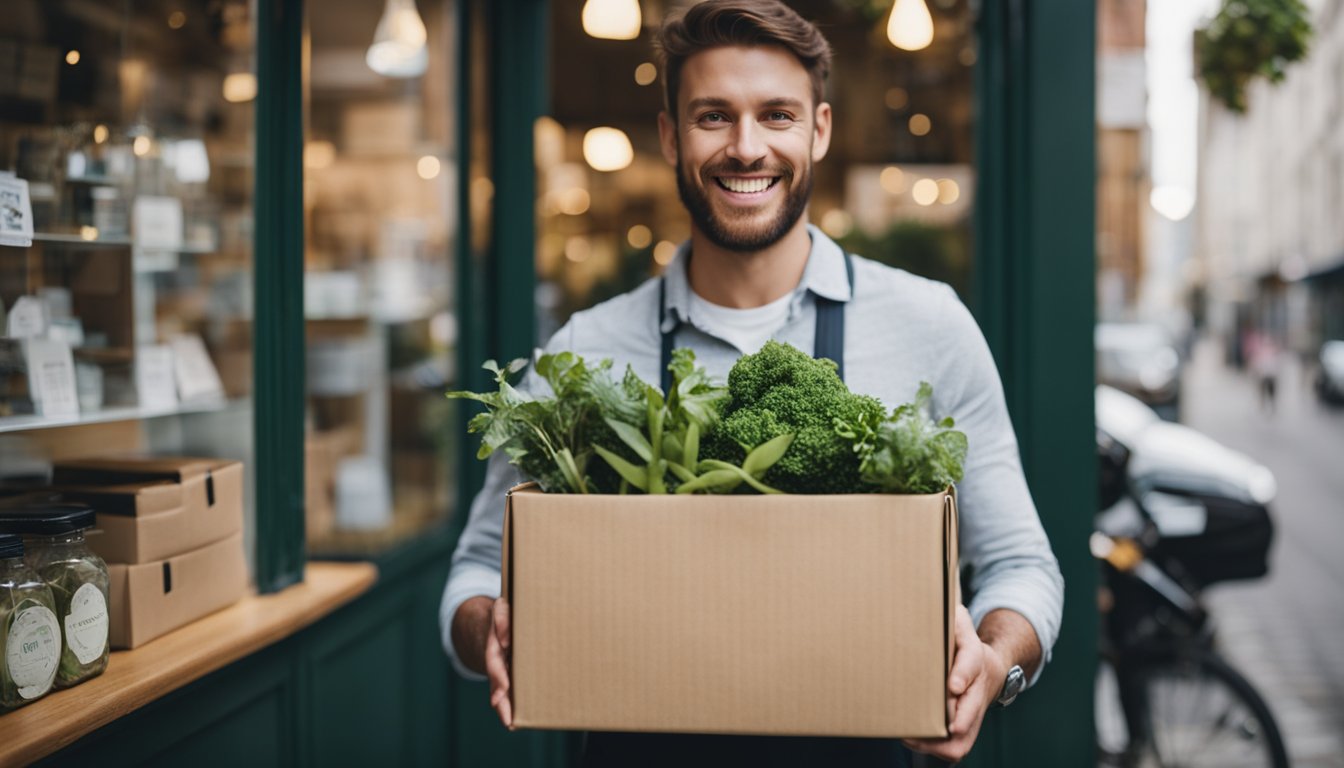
[(830, 338), (669, 338), (828, 343)]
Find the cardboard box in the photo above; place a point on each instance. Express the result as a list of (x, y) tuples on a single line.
[(150, 599), (790, 615), (152, 509)]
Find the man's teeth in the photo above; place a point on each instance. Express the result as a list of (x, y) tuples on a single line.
[(745, 185)]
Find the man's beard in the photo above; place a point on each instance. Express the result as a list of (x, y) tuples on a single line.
[(735, 233)]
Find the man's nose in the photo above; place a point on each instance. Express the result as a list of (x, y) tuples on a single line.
[(747, 145)]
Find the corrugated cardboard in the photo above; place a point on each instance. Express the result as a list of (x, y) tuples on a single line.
[(152, 509), (797, 615), (150, 599)]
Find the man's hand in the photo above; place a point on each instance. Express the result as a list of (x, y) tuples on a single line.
[(978, 672), (498, 645), (483, 638)]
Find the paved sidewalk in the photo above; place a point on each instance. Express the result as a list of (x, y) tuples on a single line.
[(1285, 632)]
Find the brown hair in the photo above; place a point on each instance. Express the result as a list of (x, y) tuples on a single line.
[(716, 23)]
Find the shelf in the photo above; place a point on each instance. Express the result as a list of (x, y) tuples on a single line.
[(79, 241), (138, 677), (115, 413)]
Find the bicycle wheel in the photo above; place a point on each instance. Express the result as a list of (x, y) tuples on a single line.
[(1199, 711)]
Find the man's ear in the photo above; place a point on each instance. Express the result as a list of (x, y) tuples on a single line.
[(821, 138), (667, 138)]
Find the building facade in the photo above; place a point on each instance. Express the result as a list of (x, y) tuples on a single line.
[(1269, 243)]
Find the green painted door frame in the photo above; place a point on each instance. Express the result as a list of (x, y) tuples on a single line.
[(277, 263), (1034, 298)]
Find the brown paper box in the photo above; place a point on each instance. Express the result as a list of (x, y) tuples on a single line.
[(797, 615), (152, 509), (150, 599)]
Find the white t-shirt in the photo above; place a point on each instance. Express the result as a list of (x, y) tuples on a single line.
[(746, 329)]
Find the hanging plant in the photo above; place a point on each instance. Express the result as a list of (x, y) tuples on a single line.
[(1249, 38)]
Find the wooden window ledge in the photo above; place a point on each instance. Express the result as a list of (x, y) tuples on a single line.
[(137, 677)]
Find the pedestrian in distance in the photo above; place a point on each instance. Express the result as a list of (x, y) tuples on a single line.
[(744, 121), (1265, 358)]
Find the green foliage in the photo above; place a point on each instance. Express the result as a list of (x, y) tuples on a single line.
[(779, 391), (645, 442), (785, 423), (551, 438), (1250, 38), (906, 452)]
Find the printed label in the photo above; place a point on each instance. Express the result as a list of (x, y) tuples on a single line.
[(86, 624), (33, 649)]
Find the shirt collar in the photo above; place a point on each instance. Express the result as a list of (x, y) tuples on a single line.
[(824, 275)]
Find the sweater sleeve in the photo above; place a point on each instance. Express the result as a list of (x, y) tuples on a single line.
[(476, 561), (1002, 541)]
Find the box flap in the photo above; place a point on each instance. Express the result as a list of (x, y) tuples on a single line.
[(130, 499), (120, 470), (952, 572)]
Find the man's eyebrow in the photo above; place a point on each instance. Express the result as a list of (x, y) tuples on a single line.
[(714, 102), (703, 102)]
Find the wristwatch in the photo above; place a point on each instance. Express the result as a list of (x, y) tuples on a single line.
[(1012, 685)]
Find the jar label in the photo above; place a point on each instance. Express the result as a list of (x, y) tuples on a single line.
[(86, 624), (33, 649)]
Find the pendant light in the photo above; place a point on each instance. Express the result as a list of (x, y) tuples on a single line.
[(910, 27), (607, 149), (398, 48), (612, 19)]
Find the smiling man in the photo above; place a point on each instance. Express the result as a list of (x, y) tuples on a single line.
[(744, 122)]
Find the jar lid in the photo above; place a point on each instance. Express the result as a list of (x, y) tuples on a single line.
[(10, 546), (45, 517)]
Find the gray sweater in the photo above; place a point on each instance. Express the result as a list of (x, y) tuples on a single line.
[(900, 329)]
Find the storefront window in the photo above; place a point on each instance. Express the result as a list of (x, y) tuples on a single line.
[(897, 185), (126, 232), (380, 187)]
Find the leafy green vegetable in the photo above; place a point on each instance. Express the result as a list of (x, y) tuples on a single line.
[(785, 423), (906, 452), (551, 439), (782, 390)]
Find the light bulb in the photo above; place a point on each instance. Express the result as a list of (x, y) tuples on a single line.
[(240, 87), (607, 149), (612, 19), (910, 27), (398, 48)]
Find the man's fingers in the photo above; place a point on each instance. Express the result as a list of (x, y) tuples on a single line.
[(969, 661), (502, 618), (950, 750), (497, 670)]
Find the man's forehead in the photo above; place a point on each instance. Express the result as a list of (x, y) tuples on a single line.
[(757, 73)]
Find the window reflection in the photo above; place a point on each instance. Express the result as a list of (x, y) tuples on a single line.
[(380, 176)]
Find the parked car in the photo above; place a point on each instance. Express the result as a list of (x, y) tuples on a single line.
[(1141, 359), (1330, 377)]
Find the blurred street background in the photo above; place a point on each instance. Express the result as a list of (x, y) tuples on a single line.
[(1283, 631), (1220, 297)]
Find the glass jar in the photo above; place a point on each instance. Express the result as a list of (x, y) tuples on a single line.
[(30, 637), (53, 534)]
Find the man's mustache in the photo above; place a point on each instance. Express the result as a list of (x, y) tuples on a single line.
[(732, 167)]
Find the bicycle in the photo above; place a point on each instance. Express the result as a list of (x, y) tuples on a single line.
[(1165, 696)]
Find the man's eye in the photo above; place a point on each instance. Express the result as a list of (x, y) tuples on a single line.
[(779, 117), (713, 117)]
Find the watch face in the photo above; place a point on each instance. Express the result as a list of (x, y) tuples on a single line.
[(1012, 685)]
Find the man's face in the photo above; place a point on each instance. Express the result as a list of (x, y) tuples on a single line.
[(745, 138)]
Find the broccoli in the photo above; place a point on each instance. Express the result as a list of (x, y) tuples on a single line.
[(781, 390)]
